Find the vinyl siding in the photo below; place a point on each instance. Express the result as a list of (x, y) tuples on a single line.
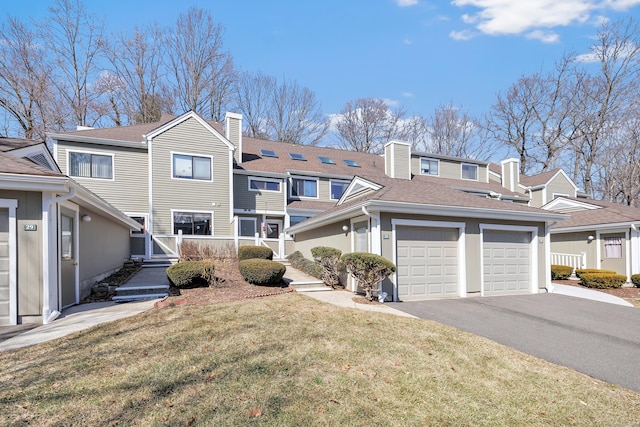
[(576, 243), (560, 185), (536, 198), (257, 200), (448, 168), (128, 190), (324, 190), (29, 251), (616, 264), (94, 261), (190, 137)]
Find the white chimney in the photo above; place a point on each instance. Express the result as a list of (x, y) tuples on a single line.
[(510, 174), (233, 132)]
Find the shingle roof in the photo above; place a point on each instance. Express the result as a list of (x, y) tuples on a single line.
[(539, 179), (133, 133), (15, 165), (609, 213), (9, 144), (312, 205)]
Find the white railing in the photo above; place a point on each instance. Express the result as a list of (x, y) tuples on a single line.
[(275, 255), (576, 261)]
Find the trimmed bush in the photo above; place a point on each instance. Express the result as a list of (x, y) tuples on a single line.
[(581, 271), (191, 274), (368, 269), (635, 279), (603, 280), (560, 272), (329, 261), (299, 262), (261, 272), (254, 252)]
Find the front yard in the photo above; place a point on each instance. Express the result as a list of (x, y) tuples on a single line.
[(290, 360)]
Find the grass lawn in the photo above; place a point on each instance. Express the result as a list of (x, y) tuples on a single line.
[(291, 360)]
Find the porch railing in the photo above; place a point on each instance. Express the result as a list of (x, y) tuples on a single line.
[(576, 261)]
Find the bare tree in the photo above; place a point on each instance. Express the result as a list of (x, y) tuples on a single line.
[(252, 100), (24, 79), (135, 85), (367, 124), (200, 68), (296, 115), (74, 38)]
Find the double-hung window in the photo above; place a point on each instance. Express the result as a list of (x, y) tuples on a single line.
[(338, 188), (90, 165), (469, 171), (429, 167), (195, 223), (301, 187), (191, 167)]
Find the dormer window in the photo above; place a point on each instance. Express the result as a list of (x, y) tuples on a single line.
[(469, 171), (429, 167)]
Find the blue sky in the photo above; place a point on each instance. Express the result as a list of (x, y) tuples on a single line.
[(418, 53)]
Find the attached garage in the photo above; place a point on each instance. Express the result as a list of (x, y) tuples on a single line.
[(507, 262), (427, 261)]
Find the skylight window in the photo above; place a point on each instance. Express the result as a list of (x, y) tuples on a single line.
[(351, 163), (326, 160), (296, 156), (268, 153)]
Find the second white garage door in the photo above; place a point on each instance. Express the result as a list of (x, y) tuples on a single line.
[(506, 262), (427, 262)]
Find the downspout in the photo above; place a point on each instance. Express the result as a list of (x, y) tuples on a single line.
[(48, 315)]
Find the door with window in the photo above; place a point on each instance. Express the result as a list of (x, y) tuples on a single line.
[(359, 243), (68, 258)]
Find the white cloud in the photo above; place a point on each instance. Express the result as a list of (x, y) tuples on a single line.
[(407, 41), (534, 18), (391, 103), (461, 35), (407, 94), (543, 36), (406, 3)]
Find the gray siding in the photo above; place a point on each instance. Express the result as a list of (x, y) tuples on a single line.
[(448, 168), (104, 245), (575, 244), (536, 199), (616, 264), (257, 200), (324, 190), (190, 137), (128, 191), (331, 235), (560, 185)]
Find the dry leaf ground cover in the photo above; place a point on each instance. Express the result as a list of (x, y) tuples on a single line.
[(290, 360)]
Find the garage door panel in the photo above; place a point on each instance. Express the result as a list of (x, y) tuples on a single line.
[(506, 262), (431, 256)]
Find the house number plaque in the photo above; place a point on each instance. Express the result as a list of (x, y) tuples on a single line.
[(30, 227)]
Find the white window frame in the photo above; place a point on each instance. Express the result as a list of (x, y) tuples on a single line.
[(431, 160), (193, 211), (462, 165), (305, 178), (146, 223), (556, 195), (610, 242), (337, 181), (180, 153), (90, 152), (256, 178), (255, 226)]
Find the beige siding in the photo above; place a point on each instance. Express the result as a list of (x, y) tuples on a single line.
[(616, 264), (190, 137), (396, 164), (324, 190), (575, 244), (331, 235), (448, 168), (536, 199), (257, 200), (128, 190), (104, 245), (560, 185), (29, 251)]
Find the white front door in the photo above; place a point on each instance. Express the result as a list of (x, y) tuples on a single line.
[(68, 258)]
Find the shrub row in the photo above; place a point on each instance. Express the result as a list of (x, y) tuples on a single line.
[(603, 280), (254, 252), (262, 272), (560, 272), (191, 274), (581, 271), (299, 262), (328, 259), (635, 279)]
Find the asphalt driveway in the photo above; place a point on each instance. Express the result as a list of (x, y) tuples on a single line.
[(598, 339)]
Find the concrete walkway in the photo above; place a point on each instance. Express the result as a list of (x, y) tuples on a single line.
[(344, 298), (574, 291)]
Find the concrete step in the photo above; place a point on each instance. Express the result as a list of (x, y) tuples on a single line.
[(159, 262), (122, 290), (138, 297)]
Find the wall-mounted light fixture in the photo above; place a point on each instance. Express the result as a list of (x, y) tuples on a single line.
[(590, 238), (86, 218), (345, 228)]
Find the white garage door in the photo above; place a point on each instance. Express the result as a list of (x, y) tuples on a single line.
[(507, 262), (4, 268), (427, 262)]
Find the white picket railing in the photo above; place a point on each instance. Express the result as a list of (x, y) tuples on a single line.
[(576, 261)]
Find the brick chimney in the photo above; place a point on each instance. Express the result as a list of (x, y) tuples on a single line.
[(233, 132)]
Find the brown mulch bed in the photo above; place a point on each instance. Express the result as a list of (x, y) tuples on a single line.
[(626, 293), (230, 286)]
